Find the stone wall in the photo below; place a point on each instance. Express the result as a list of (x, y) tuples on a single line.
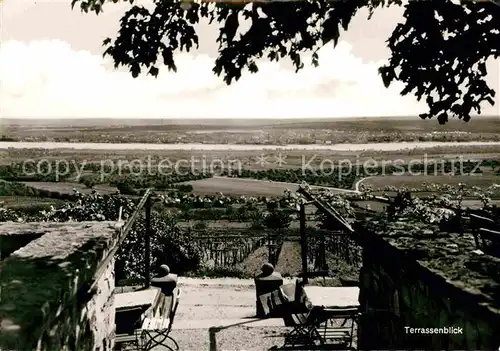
[(415, 276), (11, 242), (44, 301), (100, 311)]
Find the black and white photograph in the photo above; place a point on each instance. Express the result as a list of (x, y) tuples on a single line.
[(191, 175)]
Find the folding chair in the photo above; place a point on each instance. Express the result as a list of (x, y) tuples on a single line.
[(316, 331), (298, 316), (318, 327), (156, 330), (127, 342), (336, 329), (304, 334)]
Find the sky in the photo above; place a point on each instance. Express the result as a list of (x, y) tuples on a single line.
[(51, 66)]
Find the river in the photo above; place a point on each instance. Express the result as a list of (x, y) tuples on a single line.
[(239, 147)]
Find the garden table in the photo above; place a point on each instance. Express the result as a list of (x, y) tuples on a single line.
[(335, 306), (331, 297), (147, 298)]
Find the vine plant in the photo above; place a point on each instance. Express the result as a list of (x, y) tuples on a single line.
[(175, 246)]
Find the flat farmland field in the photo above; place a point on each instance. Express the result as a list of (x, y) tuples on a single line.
[(417, 181), (249, 159), (67, 187), (250, 131), (241, 186)]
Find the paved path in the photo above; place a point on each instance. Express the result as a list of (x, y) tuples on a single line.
[(218, 314), (239, 337), (209, 303)]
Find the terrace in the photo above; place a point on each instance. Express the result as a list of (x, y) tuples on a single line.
[(438, 273)]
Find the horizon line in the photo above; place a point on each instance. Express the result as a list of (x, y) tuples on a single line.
[(233, 118)]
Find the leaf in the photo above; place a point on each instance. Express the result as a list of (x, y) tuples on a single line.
[(330, 30), (443, 118), (490, 100), (429, 100), (252, 67), (135, 69), (168, 59), (108, 52), (482, 68), (315, 59), (154, 71), (387, 75), (231, 26)]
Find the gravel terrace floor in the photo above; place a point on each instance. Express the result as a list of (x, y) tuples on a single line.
[(217, 315)]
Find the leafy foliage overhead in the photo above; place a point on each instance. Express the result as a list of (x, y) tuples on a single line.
[(441, 51), (438, 52)]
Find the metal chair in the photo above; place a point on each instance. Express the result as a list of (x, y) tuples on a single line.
[(318, 327), (127, 342), (304, 333), (156, 331), (337, 325)]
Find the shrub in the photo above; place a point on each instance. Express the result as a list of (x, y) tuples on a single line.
[(16, 189), (169, 245), (125, 188), (89, 181), (7, 215), (278, 220), (185, 188)]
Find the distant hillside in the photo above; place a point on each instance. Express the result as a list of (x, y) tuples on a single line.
[(477, 124)]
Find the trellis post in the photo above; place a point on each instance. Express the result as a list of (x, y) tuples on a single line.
[(147, 244), (303, 241)]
